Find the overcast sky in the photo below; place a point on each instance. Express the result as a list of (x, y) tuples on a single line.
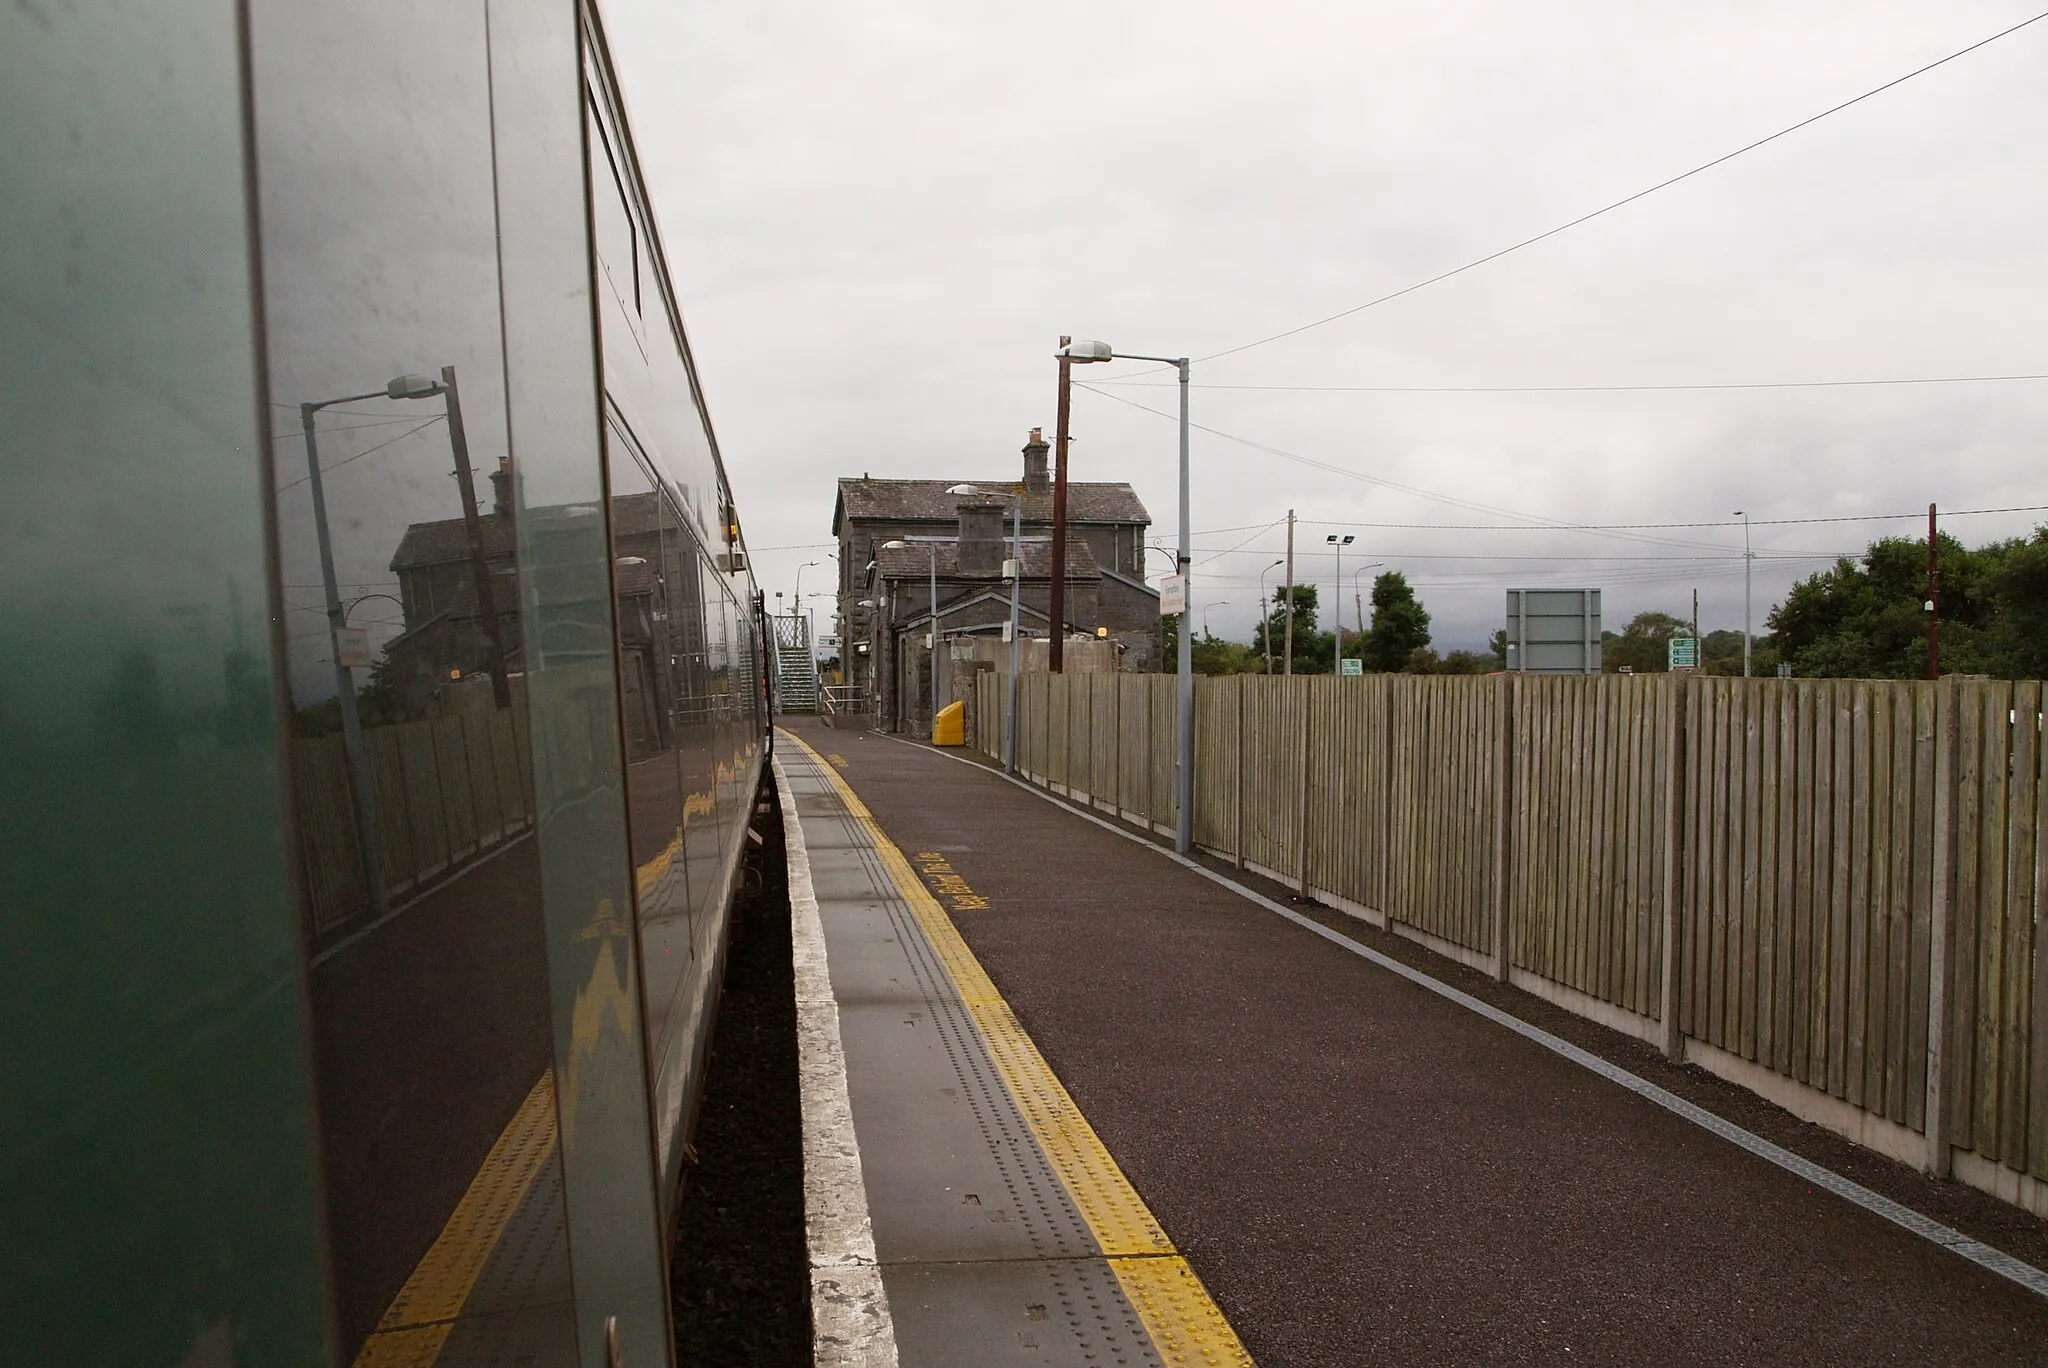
[(881, 217)]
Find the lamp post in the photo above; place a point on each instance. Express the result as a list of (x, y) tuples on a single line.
[(1358, 601), (361, 797), (1014, 568), (1337, 608), (1184, 789), (932, 641), (1266, 623), (1747, 562), (1209, 608)]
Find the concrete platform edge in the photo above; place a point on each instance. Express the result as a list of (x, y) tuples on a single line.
[(850, 1322)]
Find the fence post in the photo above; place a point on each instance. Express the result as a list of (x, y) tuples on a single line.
[(1237, 820), (1678, 692), (1503, 814), (1301, 796), (1937, 1160)]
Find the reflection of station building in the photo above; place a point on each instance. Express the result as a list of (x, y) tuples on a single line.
[(444, 640)]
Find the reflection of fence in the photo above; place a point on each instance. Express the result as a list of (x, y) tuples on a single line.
[(1826, 889), (447, 791)]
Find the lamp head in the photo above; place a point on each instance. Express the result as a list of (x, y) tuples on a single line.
[(414, 387), (1083, 351), (898, 544)]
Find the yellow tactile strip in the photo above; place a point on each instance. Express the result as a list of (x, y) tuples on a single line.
[(1185, 1325), (422, 1315)]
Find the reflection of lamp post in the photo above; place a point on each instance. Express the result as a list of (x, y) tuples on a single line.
[(361, 797), (1014, 567), (932, 556), (1184, 790)]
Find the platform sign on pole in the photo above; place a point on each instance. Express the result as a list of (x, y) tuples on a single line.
[(1682, 653), (1173, 595), (352, 647), (1351, 668)]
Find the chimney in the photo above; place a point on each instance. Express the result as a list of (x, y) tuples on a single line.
[(981, 538), (501, 488), (1036, 479)]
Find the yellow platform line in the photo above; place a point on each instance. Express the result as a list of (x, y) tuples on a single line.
[(1176, 1310), (422, 1315)]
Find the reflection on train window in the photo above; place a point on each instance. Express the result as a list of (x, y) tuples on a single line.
[(410, 782)]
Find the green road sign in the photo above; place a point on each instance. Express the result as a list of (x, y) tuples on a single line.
[(1683, 653), (1348, 667)]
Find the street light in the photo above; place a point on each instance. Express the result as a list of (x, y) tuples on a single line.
[(1184, 790), (1266, 623), (1014, 568), (932, 556), (1337, 608), (1358, 599), (1209, 608), (1747, 562), (361, 798)]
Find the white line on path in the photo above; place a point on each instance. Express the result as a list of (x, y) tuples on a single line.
[(850, 1322), (1997, 1260)]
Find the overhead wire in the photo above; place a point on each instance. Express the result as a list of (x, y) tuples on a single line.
[(1590, 389), (1585, 218), (367, 451)]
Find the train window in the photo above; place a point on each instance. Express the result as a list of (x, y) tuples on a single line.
[(618, 231)]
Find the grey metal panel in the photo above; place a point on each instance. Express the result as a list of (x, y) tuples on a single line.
[(1553, 631)]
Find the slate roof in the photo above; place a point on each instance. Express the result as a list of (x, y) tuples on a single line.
[(437, 543), (928, 500), (912, 562)]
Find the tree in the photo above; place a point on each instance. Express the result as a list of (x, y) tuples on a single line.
[(1400, 624), (1497, 644), (1641, 646), (1314, 652), (1212, 655)]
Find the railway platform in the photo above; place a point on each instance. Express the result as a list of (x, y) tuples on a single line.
[(1072, 1099)]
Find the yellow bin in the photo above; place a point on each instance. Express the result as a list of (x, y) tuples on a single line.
[(949, 728)]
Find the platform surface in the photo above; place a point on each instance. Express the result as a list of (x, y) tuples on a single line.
[(1004, 1233)]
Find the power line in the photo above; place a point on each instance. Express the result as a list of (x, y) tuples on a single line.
[(1590, 389), (1916, 516), (325, 470), (1449, 499), (1631, 199)]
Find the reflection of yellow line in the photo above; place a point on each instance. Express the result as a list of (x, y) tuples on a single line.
[(423, 1313), (1176, 1309)]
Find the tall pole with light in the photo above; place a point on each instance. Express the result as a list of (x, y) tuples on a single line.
[(1337, 609), (1266, 623), (1209, 608), (361, 796), (932, 641), (1184, 789), (1358, 601), (1748, 560)]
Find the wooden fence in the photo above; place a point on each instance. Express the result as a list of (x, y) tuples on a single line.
[(447, 792), (1833, 883)]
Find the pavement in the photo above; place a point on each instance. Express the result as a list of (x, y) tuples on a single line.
[(1360, 1170)]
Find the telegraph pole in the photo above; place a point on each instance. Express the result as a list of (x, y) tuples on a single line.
[(1933, 598), (1287, 662), (1057, 649), (480, 570)]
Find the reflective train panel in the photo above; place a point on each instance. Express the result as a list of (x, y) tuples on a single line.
[(417, 671)]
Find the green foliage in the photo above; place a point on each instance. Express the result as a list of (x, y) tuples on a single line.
[(1642, 645), (1400, 624), (1314, 652), (1212, 655), (1867, 618)]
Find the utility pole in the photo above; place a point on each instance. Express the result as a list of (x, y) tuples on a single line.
[(1287, 661), (1933, 598), (1748, 560), (472, 526), (1695, 616), (1057, 649)]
